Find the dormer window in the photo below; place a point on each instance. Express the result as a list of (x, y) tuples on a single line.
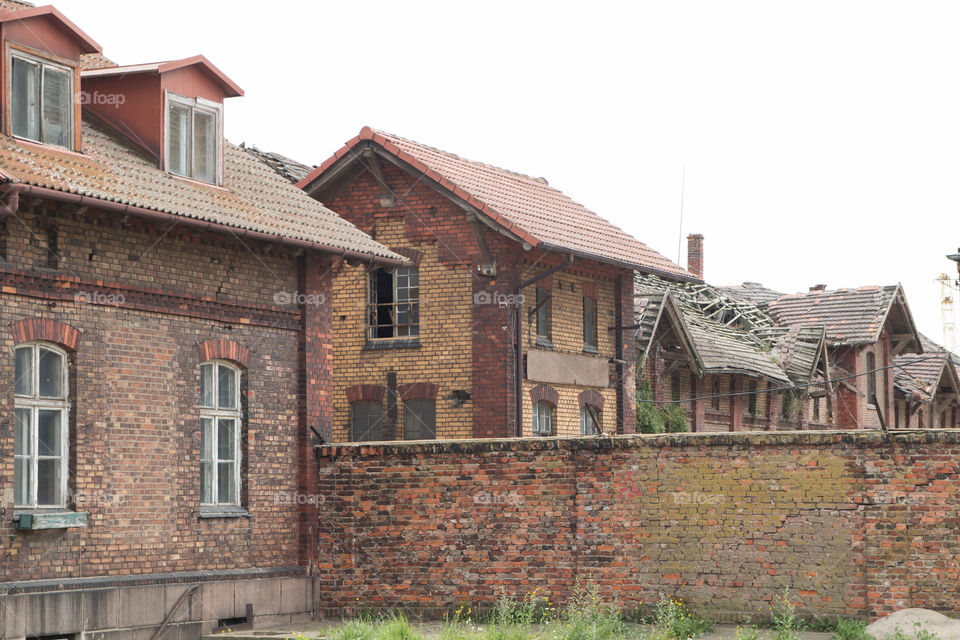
[(42, 100), (193, 138)]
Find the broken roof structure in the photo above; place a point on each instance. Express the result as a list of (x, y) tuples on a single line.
[(922, 378), (523, 207), (724, 335), (753, 292), (852, 317)]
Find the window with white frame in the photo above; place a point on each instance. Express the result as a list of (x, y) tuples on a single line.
[(394, 305), (41, 100), (194, 138), (589, 420), (542, 418), (220, 421), (41, 433)]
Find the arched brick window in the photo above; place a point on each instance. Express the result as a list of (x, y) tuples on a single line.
[(224, 350), (545, 400), (366, 412), (591, 412)]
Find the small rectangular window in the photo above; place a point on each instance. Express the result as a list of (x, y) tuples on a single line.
[(419, 420), (42, 101), (589, 322), (193, 138), (542, 418), (752, 399), (543, 314), (715, 400)]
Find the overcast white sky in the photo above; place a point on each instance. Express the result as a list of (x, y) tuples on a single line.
[(821, 139)]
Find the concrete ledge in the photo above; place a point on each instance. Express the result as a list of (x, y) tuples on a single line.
[(859, 438)]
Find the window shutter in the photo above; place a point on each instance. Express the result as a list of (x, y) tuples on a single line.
[(57, 107)]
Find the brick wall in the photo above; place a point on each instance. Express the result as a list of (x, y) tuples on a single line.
[(856, 523), (135, 379)]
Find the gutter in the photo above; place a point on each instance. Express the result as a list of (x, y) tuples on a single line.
[(12, 194), (518, 339)]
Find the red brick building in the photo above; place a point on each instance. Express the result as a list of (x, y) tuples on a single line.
[(167, 348), (926, 388), (513, 318)]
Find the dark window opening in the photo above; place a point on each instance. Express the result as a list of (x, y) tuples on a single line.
[(752, 399), (816, 410), (419, 420), (366, 421), (715, 400), (394, 306), (589, 322), (543, 314), (674, 387), (871, 378)]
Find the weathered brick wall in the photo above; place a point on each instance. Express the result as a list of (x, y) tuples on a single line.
[(855, 523), (134, 423)]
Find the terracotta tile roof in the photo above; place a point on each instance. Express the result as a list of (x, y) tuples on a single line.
[(920, 375), (751, 292), (850, 316), (253, 197), (528, 207)]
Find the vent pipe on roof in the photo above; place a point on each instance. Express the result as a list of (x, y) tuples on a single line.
[(695, 254), (818, 287)]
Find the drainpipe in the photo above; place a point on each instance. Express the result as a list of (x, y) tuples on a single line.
[(518, 339), (10, 199)]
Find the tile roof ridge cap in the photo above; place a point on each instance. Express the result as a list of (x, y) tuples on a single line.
[(394, 137)]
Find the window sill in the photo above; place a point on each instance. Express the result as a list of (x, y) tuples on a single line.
[(591, 350), (544, 342), (57, 518), (206, 513), (392, 343)]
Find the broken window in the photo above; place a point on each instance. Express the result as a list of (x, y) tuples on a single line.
[(42, 101), (542, 418), (40, 431), (589, 323), (193, 138), (871, 378), (366, 421), (589, 420), (220, 421), (419, 419), (394, 307)]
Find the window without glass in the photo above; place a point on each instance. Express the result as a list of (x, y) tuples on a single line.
[(715, 400), (220, 421), (871, 378), (752, 399), (589, 420), (674, 387), (816, 410), (366, 421), (542, 418), (419, 420), (40, 431), (543, 314), (41, 101), (193, 138), (394, 306), (589, 322)]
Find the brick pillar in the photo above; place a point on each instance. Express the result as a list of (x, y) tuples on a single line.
[(494, 404), (736, 403), (391, 424), (627, 352), (314, 381), (699, 406), (695, 254)]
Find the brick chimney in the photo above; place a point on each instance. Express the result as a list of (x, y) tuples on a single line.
[(818, 287), (695, 254)]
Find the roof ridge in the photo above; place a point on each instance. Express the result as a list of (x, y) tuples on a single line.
[(462, 158)]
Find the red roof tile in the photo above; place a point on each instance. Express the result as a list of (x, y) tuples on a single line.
[(528, 207)]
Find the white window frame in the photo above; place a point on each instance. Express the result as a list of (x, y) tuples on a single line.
[(214, 414), (586, 420), (538, 418), (43, 62), (35, 403), (194, 104)]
